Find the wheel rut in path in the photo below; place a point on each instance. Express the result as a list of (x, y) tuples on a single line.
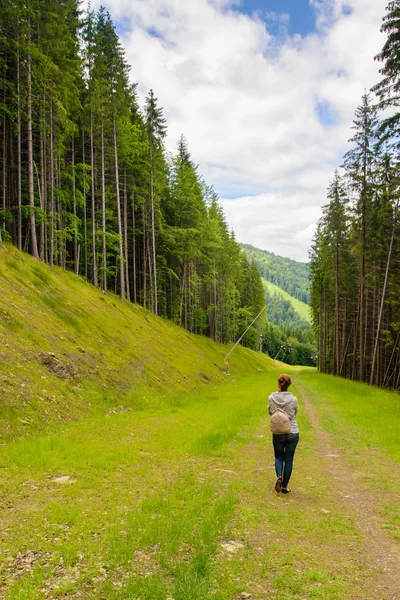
[(379, 551)]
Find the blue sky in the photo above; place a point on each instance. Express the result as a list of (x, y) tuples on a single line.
[(302, 15)]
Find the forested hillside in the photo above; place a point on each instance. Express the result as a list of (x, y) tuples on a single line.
[(86, 183), (355, 263), (288, 274), (287, 336)]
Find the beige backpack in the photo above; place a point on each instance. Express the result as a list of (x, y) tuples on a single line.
[(280, 422)]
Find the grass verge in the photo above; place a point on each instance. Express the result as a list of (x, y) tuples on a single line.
[(149, 504), (365, 422)]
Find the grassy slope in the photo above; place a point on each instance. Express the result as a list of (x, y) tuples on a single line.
[(300, 307), (110, 353)]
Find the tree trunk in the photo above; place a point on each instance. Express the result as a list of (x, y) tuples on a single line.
[(153, 230), (361, 320), (320, 335), (120, 231), (215, 309), (134, 249), (182, 293), (76, 251), (337, 341), (42, 184), (103, 212), (151, 280), (326, 333), (51, 187), (343, 347), (84, 204), (19, 158), (4, 173), (144, 259), (357, 316), (94, 252), (128, 294), (41, 204), (61, 222), (31, 196), (345, 352)]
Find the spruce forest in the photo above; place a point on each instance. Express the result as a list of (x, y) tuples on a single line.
[(355, 257), (87, 185)]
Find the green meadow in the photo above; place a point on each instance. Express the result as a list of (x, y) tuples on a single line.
[(175, 499)]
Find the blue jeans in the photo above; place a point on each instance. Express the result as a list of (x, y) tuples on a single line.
[(284, 449)]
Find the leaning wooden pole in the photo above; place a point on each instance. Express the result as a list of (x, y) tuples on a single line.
[(378, 327)]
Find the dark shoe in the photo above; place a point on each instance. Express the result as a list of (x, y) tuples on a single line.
[(285, 490), (278, 485)]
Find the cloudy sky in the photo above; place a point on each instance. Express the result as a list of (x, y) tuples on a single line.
[(264, 91)]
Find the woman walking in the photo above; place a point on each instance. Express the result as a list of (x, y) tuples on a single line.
[(284, 443)]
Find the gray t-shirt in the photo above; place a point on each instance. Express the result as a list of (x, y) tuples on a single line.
[(287, 402)]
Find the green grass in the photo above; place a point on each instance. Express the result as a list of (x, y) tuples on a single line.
[(371, 415), (153, 495), (365, 422), (300, 307), (143, 482), (391, 515)]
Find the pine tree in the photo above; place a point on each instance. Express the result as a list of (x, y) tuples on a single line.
[(336, 221), (360, 164), (156, 132)]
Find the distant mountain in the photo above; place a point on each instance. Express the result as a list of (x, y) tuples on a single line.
[(290, 275), (289, 333)]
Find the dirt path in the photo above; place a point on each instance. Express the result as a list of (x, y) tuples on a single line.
[(379, 551)]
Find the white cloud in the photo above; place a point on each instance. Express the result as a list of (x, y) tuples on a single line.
[(280, 222), (248, 103)]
